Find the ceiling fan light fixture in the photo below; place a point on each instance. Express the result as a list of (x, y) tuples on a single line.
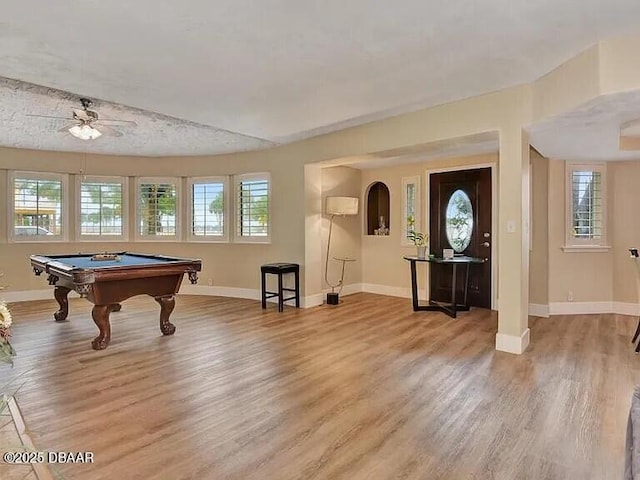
[(84, 132)]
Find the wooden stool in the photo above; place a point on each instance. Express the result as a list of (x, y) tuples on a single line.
[(280, 269)]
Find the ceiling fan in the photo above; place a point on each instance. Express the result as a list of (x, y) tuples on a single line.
[(87, 125)]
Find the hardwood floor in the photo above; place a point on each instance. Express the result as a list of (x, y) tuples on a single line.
[(365, 390)]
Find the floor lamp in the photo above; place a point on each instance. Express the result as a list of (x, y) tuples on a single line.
[(337, 206)]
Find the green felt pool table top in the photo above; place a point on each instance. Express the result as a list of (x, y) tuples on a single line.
[(124, 259)]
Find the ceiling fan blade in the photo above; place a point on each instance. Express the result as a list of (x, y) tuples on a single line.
[(117, 122), (108, 131), (67, 127), (48, 116)]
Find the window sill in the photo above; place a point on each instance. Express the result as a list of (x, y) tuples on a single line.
[(158, 239), (210, 240), (586, 248), (43, 240), (103, 239)]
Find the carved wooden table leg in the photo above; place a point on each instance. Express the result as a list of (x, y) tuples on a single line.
[(60, 294), (167, 305), (115, 307), (100, 314)]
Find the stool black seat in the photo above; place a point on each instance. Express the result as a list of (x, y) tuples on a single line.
[(280, 269)]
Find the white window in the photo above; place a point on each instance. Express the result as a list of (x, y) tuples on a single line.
[(410, 208), (157, 208), (102, 208), (208, 220), (37, 207), (253, 212), (585, 207)]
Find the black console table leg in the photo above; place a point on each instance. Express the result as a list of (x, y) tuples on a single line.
[(466, 288), (453, 290), (414, 286), (280, 294)]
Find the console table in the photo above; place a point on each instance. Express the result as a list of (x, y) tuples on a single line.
[(452, 308)]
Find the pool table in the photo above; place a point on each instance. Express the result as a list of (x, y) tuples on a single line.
[(108, 279)]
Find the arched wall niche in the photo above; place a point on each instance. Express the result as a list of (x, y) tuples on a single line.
[(378, 209)]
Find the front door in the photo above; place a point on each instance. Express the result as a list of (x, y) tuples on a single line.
[(460, 219)]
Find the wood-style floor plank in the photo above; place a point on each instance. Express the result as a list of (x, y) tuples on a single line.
[(365, 390)]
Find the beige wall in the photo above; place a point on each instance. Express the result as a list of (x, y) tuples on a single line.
[(229, 265), (539, 254), (624, 179), (346, 240), (591, 277), (619, 71), (382, 262), (603, 276), (587, 275)]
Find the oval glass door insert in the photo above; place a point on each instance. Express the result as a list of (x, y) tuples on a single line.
[(459, 221)]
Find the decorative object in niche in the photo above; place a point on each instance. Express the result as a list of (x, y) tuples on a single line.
[(382, 227), (378, 209)]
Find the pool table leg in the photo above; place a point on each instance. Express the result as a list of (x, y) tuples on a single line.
[(100, 314), (60, 294), (167, 305)]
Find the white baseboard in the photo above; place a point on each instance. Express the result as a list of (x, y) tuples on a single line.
[(622, 308), (246, 293), (349, 289), (187, 289), (392, 291), (234, 292), (312, 300), (368, 288), (30, 295), (512, 343), (318, 298), (579, 308), (538, 310)]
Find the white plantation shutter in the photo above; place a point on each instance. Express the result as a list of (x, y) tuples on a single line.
[(410, 207), (208, 214), (37, 206), (586, 205), (253, 207), (102, 208), (157, 208)]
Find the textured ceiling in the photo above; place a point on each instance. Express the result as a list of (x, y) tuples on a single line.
[(589, 132), (153, 134), (278, 70)]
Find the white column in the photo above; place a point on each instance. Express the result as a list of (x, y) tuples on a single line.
[(513, 241), (312, 284)]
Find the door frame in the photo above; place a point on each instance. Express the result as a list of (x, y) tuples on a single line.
[(494, 216)]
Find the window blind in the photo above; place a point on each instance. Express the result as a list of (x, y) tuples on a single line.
[(101, 208), (207, 209), (37, 205), (587, 212), (253, 208), (157, 209)]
